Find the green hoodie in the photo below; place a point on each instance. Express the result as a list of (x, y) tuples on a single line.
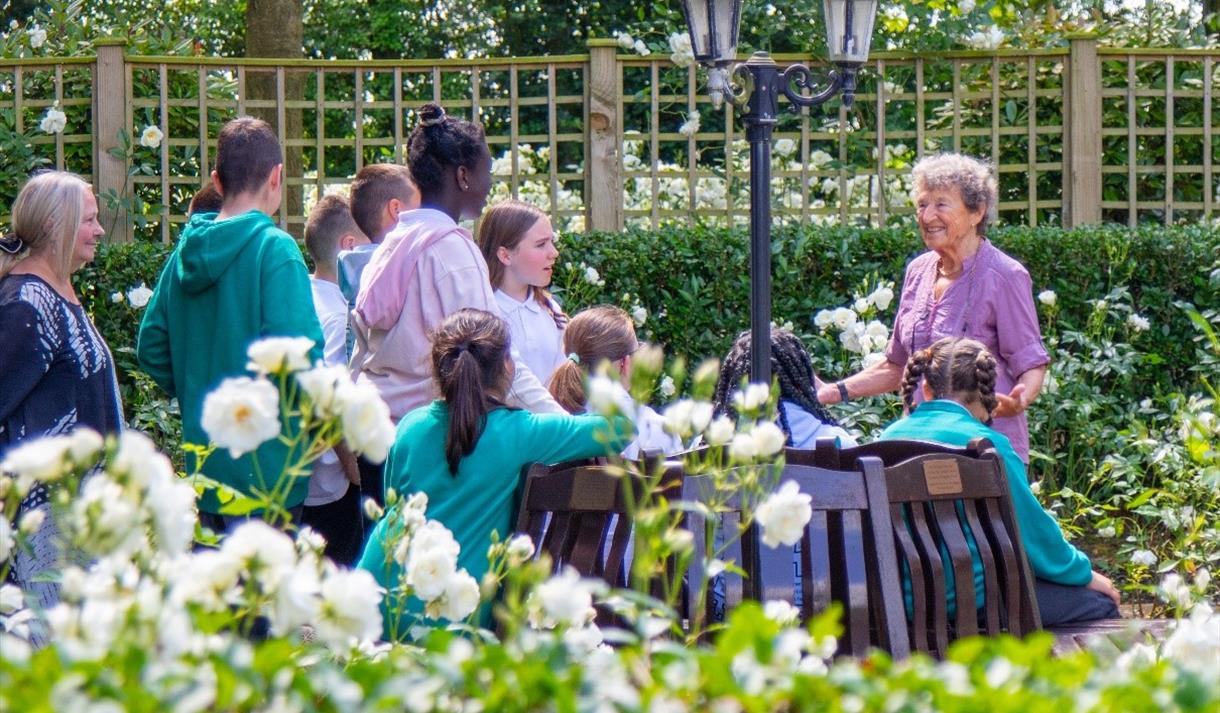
[(227, 284)]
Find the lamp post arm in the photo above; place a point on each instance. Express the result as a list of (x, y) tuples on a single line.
[(797, 77)]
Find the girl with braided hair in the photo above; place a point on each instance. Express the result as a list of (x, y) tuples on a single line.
[(466, 451), (801, 415), (956, 377)]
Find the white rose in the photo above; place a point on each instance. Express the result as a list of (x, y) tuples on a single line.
[(678, 417), (84, 445), (7, 540), (753, 398), (862, 304), (784, 515), (700, 416), (275, 354), (38, 460), (367, 426), (173, 504), (641, 48), (1107, 532), (1144, 557), (769, 439), (461, 596), (138, 296), (785, 147), (1202, 579), (38, 37), (297, 601), (54, 121), (625, 40), (719, 431), (564, 599), (151, 137), (350, 608), (267, 552), (882, 297), (966, 6), (681, 52), (520, 548), (844, 317), (592, 276), (1138, 323), (117, 297), (31, 520), (823, 319), (320, 385), (11, 598), (878, 331), (1047, 297), (639, 315), (428, 572), (872, 359), (242, 414), (690, 127), (666, 388), (607, 396), (742, 448), (781, 612)]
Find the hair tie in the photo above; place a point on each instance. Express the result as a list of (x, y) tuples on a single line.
[(574, 358), (12, 244), (433, 121)]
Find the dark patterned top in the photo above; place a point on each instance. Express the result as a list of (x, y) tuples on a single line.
[(56, 372)]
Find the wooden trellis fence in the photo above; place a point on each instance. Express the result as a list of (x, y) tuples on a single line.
[(1081, 134)]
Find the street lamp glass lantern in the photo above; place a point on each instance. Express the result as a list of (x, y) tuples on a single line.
[(849, 29), (713, 29)]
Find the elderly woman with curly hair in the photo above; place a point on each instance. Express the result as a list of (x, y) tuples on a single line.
[(963, 286)]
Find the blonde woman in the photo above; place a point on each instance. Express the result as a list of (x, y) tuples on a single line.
[(58, 371)]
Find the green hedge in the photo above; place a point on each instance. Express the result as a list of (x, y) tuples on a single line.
[(695, 281), (700, 276)]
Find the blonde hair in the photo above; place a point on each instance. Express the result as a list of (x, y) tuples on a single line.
[(601, 333), (973, 178), (46, 216)]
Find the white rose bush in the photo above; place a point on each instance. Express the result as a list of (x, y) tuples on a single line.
[(263, 621)]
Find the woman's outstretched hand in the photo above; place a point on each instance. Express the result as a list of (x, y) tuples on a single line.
[(1012, 403)]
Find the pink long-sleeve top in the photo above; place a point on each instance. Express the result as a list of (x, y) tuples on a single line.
[(992, 302), (427, 268)]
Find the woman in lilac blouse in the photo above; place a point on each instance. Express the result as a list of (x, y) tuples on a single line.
[(962, 287)]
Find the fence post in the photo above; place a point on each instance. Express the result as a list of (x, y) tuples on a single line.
[(1082, 133), (109, 119), (604, 187)]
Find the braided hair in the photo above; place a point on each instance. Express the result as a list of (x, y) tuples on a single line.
[(792, 367), (953, 367)]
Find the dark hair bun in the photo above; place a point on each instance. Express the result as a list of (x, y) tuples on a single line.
[(431, 114)]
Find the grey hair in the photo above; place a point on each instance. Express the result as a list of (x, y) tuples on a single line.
[(46, 216), (973, 178)]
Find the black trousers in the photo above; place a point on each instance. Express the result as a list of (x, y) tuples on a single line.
[(1066, 605), (222, 524), (372, 485), (341, 524)]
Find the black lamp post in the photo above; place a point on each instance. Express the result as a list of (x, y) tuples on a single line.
[(713, 33)]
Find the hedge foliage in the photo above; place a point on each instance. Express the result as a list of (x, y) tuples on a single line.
[(695, 281), (700, 277)]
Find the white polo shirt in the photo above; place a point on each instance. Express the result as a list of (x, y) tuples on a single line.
[(535, 338)]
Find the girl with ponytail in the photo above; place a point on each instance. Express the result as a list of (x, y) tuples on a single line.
[(606, 334), (957, 378), (466, 450)]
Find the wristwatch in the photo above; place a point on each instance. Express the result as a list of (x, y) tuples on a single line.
[(842, 387)]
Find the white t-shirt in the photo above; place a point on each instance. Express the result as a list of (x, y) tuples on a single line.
[(328, 482), (536, 339)]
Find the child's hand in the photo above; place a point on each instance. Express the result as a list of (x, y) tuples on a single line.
[(1101, 583)]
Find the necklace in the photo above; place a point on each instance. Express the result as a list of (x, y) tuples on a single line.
[(940, 270)]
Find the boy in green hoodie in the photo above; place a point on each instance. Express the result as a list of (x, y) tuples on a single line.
[(234, 278)]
